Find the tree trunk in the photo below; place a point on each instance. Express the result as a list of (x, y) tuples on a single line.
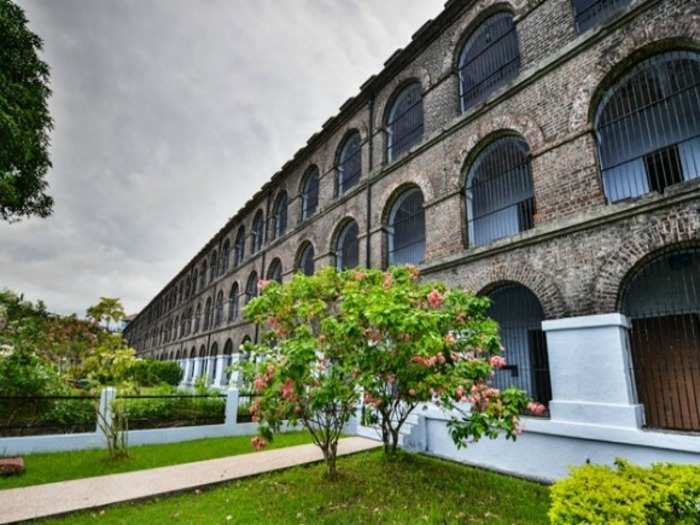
[(329, 455), (394, 440)]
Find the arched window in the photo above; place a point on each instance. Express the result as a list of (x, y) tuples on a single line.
[(349, 163), (347, 247), (239, 247), (405, 121), (197, 317), (213, 266), (589, 13), (219, 314), (251, 287), (489, 59), (499, 193), (176, 327), (203, 276), (233, 303), (203, 361), (188, 284), (648, 126), (195, 280), (305, 261), (407, 228), (257, 235), (225, 254), (228, 361), (309, 193), (207, 314), (274, 272), (279, 216), (519, 315), (662, 299)]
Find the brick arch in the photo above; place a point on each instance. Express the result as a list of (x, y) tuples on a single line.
[(480, 11), (683, 29), (338, 228), (393, 88), (637, 249), (389, 195), (542, 286), (300, 247)]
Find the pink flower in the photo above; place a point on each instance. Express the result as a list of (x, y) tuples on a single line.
[(388, 280), (497, 361), (435, 299), (358, 275), (262, 284), (258, 442), (288, 389), (460, 393), (450, 339), (536, 409), (260, 383)]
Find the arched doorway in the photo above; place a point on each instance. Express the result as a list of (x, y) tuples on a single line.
[(519, 314), (662, 300)]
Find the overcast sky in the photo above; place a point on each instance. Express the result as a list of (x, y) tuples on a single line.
[(168, 116)]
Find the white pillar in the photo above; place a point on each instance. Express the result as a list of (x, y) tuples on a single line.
[(197, 369), (187, 366), (236, 376), (591, 371), (104, 416), (220, 373), (231, 406)]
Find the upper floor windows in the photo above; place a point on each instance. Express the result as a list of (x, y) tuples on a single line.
[(257, 235), (309, 193), (225, 254), (239, 247), (274, 272), (233, 303), (404, 121), (213, 265), (499, 192), (349, 163), (251, 287), (203, 276), (407, 228), (219, 309), (648, 126), (347, 247), (305, 261), (279, 216), (588, 13), (490, 58)]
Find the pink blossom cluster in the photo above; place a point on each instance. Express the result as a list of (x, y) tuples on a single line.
[(371, 400), (358, 275), (535, 408), (497, 361), (388, 280), (263, 283), (258, 442), (262, 380), (276, 327), (450, 339), (429, 362), (462, 356), (435, 299), (288, 390), (482, 395)]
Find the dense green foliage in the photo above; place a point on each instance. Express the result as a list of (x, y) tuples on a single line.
[(409, 490), (628, 495), (24, 119), (150, 372), (61, 466)]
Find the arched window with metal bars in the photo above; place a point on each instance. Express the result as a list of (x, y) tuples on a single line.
[(309, 193), (213, 265), (648, 126), (203, 276), (499, 192), (239, 247), (274, 272), (197, 318), (661, 298), (349, 163), (219, 313), (489, 59), (589, 13), (225, 255), (279, 216), (404, 123), (233, 303), (213, 363), (347, 247), (258, 234), (207, 314), (406, 228), (305, 261), (251, 287), (228, 361), (519, 315)]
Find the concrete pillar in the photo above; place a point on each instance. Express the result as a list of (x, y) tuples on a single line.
[(231, 407), (236, 376), (591, 371), (220, 372), (104, 415), (188, 364), (197, 369)]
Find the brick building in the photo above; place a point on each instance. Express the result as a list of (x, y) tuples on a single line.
[(543, 152)]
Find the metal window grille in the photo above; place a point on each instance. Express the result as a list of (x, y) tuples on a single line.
[(349, 164), (648, 127), (306, 261), (213, 266), (228, 361), (256, 240), (499, 192), (519, 315), (207, 314), (279, 226), (274, 273), (233, 303), (490, 58), (588, 13), (347, 250), (197, 317), (239, 247), (407, 229), (310, 193), (219, 316), (662, 299), (405, 122), (251, 287), (225, 257)]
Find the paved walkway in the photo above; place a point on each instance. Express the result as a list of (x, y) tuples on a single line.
[(40, 501)]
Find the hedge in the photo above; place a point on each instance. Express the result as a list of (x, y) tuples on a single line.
[(149, 372), (627, 495)]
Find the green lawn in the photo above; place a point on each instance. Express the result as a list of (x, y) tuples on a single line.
[(412, 489), (46, 468)]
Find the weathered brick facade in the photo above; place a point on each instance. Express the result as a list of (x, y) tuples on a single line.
[(580, 249)]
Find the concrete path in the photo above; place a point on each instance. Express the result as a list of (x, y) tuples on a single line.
[(51, 499)]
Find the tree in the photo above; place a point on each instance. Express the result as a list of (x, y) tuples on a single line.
[(24, 119), (302, 369), (423, 342), (109, 310)]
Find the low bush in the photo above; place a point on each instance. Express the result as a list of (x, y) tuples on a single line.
[(149, 372), (628, 495)]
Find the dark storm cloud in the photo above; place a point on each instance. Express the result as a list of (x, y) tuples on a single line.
[(169, 115)]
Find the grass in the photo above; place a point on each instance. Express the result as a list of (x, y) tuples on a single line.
[(409, 490), (47, 468)]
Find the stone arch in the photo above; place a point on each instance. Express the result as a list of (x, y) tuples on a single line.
[(391, 192), (409, 75), (638, 249), (338, 229), (674, 31), (496, 275)]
